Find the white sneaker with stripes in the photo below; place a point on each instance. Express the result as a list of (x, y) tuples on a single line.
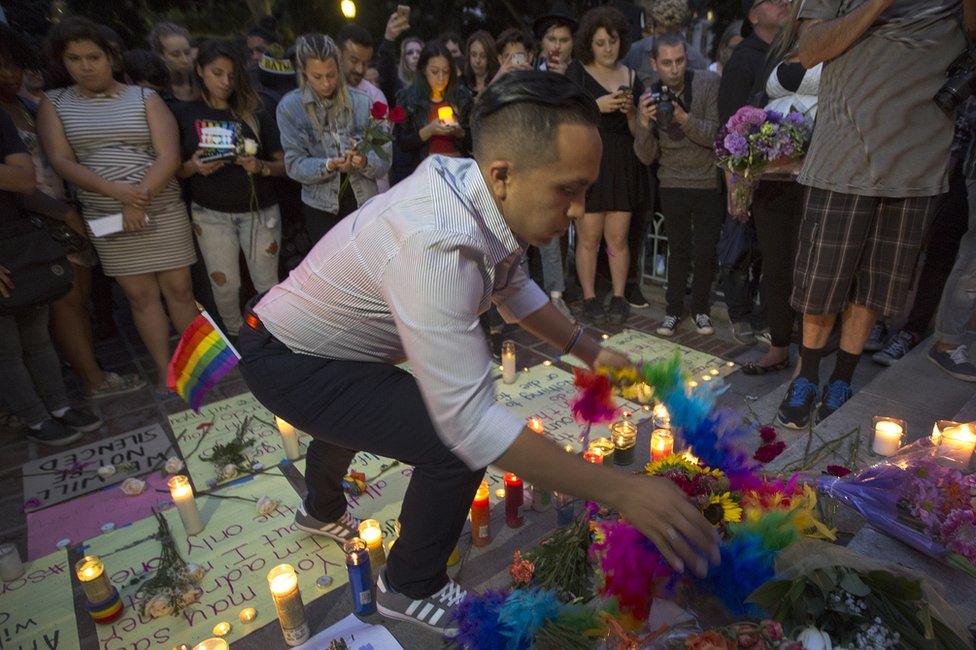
[(341, 530), (435, 612)]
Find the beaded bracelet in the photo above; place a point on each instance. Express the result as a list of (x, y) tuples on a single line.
[(574, 339)]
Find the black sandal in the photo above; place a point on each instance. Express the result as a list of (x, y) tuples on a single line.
[(756, 369)]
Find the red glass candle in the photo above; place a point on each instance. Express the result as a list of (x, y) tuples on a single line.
[(481, 517), (594, 456), (514, 516)]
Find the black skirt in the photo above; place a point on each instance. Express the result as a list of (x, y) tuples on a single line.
[(618, 187)]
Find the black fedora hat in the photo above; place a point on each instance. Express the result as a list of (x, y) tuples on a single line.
[(558, 14)]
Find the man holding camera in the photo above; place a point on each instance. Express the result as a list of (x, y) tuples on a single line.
[(877, 163), (677, 123)]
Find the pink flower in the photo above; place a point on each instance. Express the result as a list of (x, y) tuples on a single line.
[(521, 570), (959, 533), (772, 630), (768, 434)]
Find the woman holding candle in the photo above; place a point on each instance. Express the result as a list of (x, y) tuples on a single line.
[(320, 123), (409, 282), (437, 107)]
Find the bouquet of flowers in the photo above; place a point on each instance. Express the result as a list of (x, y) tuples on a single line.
[(919, 497), (752, 140)]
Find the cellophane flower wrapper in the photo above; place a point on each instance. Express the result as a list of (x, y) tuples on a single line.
[(875, 493)]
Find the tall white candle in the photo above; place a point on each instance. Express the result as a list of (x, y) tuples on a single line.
[(186, 504), (508, 362), (289, 439), (887, 437), (11, 567)]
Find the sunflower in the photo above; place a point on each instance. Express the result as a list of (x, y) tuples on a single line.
[(731, 511), (682, 463)]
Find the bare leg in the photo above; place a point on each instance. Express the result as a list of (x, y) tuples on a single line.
[(147, 311), (615, 230), (71, 326), (857, 322), (589, 231), (178, 291)]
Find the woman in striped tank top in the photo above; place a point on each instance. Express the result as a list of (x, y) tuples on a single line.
[(119, 146)]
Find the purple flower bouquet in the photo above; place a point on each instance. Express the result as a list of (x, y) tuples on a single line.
[(918, 497), (750, 141)]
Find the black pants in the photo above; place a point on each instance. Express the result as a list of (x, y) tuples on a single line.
[(350, 406), (949, 225), (318, 222), (777, 208), (693, 222)]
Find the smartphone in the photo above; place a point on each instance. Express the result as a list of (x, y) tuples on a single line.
[(518, 58), (218, 156), (404, 12), (627, 90)]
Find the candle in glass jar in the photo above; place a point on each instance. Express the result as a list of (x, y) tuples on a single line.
[(481, 516), (508, 362), (958, 443), (283, 583), (605, 445), (514, 501), (624, 435), (887, 437), (371, 533), (445, 114), (360, 577), (181, 492), (104, 604), (211, 644), (11, 567), (662, 419), (594, 456), (289, 439), (662, 444)]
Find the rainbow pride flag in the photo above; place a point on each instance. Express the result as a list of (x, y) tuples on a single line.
[(203, 356)]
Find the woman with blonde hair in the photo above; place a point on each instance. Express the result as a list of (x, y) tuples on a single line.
[(172, 43), (321, 122)]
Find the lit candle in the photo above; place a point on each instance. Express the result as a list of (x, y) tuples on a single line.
[(662, 419), (247, 614), (887, 437), (283, 582), (104, 604), (713, 372), (690, 457), (958, 443), (289, 439), (644, 393), (624, 440), (360, 577), (221, 629), (186, 504), (211, 644), (508, 362), (569, 449), (371, 533), (445, 114), (605, 446), (514, 501), (481, 516), (535, 424), (594, 456), (11, 567), (662, 444)]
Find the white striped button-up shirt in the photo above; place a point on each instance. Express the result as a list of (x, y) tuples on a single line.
[(405, 277)]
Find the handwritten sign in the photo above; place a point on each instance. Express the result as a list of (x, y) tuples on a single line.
[(36, 610), (641, 346), (237, 548), (69, 474)]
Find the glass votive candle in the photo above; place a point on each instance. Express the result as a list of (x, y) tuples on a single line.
[(594, 456), (624, 434), (662, 419), (605, 446), (104, 604), (371, 533), (959, 443), (283, 583), (662, 444), (888, 434)]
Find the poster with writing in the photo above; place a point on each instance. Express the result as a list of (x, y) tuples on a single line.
[(72, 473), (237, 548), (355, 634), (641, 346), (36, 610)]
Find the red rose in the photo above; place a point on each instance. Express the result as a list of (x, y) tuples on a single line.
[(838, 470), (769, 451), (397, 115), (378, 111), (768, 434)]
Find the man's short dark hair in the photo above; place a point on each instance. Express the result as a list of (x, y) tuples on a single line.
[(266, 35), (519, 113), (450, 36), (145, 66), (356, 34), (667, 40), (609, 19), (511, 36)]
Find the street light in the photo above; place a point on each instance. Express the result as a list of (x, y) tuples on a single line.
[(348, 8)]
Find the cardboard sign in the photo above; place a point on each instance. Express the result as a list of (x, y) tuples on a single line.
[(641, 346), (37, 610), (72, 473)]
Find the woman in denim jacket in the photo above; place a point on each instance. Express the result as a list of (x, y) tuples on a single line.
[(424, 132), (320, 123)]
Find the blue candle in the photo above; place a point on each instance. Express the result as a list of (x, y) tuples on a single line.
[(360, 577)]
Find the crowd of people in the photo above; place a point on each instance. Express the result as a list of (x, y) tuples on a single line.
[(212, 157)]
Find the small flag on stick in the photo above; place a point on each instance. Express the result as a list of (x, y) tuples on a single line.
[(203, 356)]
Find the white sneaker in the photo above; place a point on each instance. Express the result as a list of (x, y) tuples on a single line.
[(435, 612), (703, 324), (669, 326), (341, 530)]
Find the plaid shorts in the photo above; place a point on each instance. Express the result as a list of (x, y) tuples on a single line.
[(857, 249)]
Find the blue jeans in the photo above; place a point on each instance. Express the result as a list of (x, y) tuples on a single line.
[(959, 294)]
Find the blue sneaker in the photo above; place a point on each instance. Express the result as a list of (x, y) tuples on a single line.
[(796, 407), (835, 395)]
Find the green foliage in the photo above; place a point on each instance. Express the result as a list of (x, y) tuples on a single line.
[(562, 562)]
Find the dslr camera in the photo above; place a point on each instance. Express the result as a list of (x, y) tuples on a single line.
[(961, 81), (665, 100)]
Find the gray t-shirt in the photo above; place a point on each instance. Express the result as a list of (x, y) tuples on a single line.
[(878, 130)]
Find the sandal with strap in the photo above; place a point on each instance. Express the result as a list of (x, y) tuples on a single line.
[(756, 369)]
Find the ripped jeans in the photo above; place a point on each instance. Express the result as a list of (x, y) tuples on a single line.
[(959, 294), (221, 236)]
